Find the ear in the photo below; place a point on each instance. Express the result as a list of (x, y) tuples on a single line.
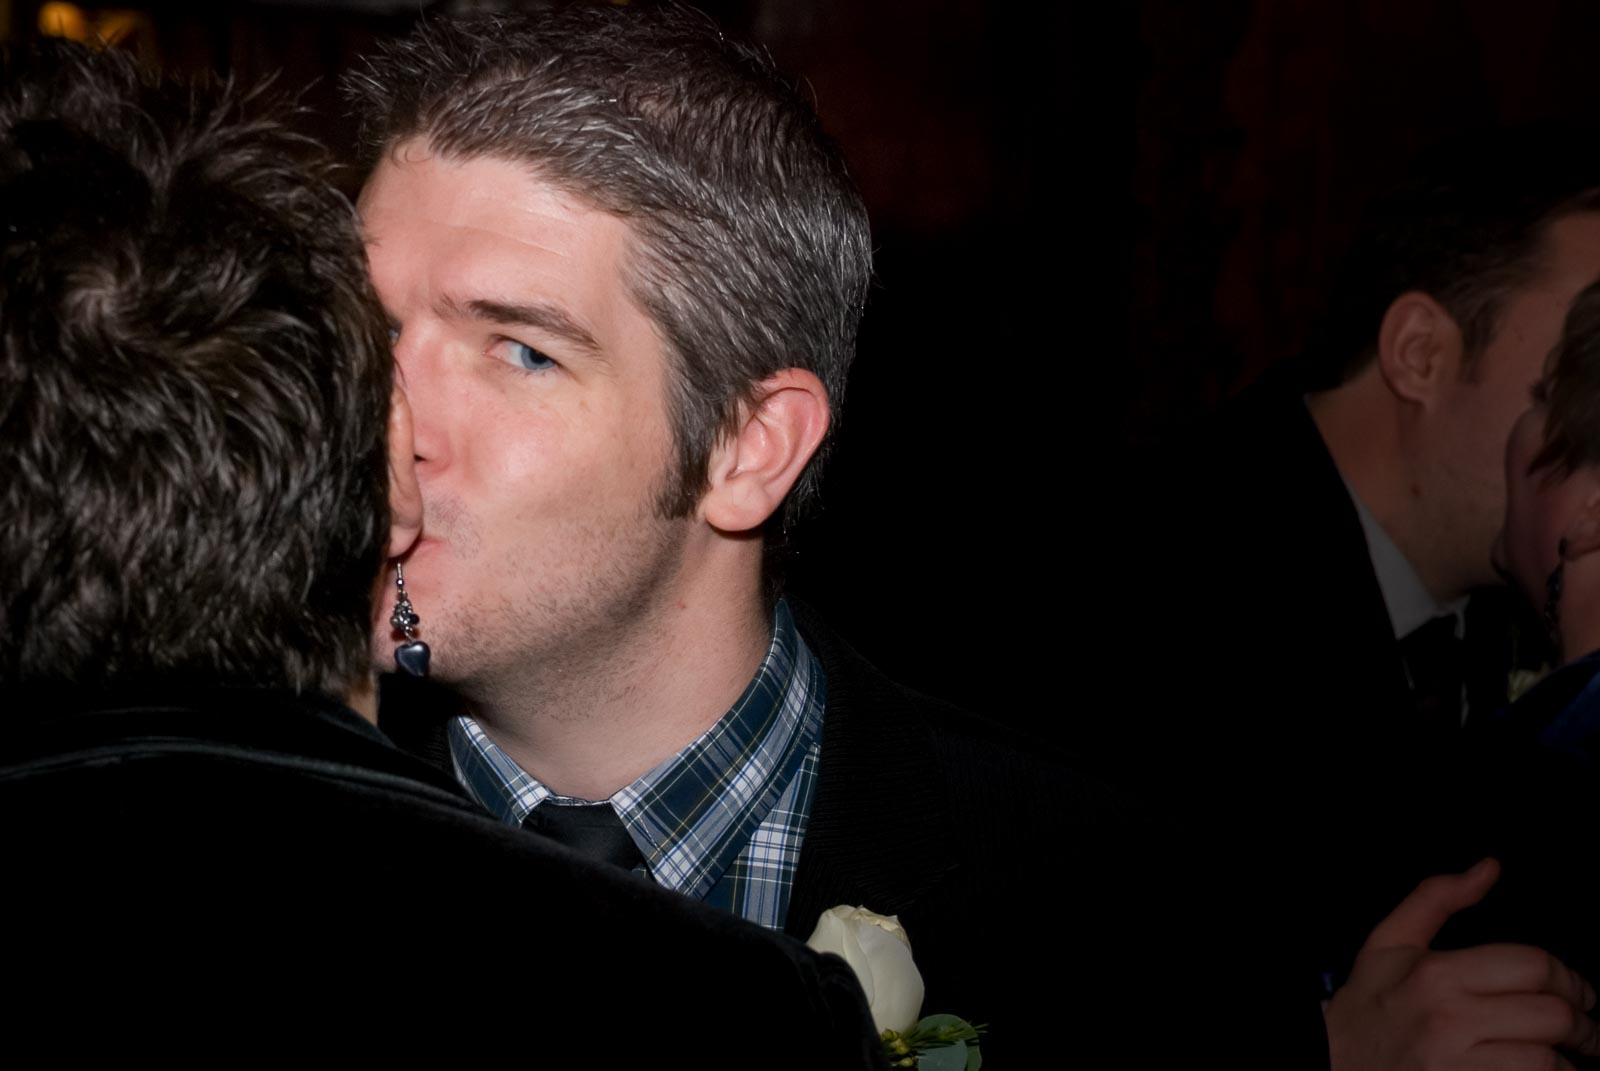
[(1419, 348), (753, 468), (405, 497), (1583, 534)]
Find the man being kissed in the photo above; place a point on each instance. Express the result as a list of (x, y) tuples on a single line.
[(625, 270)]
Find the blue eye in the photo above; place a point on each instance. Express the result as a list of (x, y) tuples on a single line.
[(526, 356), (521, 355)]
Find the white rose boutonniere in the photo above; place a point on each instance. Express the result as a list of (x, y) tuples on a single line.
[(879, 952)]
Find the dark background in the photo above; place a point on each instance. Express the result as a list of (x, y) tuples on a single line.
[(1093, 223)]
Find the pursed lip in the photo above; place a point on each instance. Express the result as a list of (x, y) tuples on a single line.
[(423, 543), (420, 563)]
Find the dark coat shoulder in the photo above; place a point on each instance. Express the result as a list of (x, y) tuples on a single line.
[(220, 852)]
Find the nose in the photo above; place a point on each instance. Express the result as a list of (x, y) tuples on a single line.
[(417, 372)]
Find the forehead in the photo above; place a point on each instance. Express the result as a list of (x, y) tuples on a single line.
[(491, 229)]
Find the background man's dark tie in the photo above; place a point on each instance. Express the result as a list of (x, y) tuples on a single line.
[(1434, 658)]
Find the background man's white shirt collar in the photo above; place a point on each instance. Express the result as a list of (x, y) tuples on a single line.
[(1407, 599)]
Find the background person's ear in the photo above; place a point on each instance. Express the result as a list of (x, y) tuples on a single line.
[(405, 497), (754, 467), (1419, 347)]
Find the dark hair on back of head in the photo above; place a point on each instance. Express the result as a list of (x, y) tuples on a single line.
[(1571, 391), (194, 387), (754, 253), (1467, 226)]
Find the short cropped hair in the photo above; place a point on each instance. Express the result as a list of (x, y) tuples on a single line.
[(1466, 227), (1571, 391), (194, 387), (752, 254)]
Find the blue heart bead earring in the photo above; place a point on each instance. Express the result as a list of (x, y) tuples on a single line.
[(411, 656)]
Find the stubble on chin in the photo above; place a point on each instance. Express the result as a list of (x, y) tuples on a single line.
[(547, 618)]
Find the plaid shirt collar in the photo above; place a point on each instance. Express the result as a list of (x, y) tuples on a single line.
[(693, 814)]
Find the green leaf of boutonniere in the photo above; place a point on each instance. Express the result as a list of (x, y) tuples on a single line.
[(935, 1043), (951, 1057)]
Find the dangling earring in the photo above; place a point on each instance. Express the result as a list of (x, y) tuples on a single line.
[(1552, 591), (411, 656)]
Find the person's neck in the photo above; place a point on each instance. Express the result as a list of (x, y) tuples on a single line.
[(363, 698), (616, 705), (1362, 426)]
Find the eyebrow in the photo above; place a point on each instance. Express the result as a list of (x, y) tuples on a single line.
[(539, 315)]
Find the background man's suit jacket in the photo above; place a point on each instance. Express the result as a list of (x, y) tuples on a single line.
[(1292, 733), (253, 870)]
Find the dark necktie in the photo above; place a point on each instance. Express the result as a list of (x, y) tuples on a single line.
[(1501, 634), (1433, 658), (591, 829)]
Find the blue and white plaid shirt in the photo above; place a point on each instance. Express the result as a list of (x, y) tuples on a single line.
[(722, 820)]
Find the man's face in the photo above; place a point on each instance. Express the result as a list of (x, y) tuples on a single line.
[(1482, 409), (538, 392)]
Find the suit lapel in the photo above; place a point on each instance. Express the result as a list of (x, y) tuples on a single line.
[(876, 837)]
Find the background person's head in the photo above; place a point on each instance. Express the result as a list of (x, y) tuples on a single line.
[(1552, 521), (1469, 227), (194, 386), (1450, 299)]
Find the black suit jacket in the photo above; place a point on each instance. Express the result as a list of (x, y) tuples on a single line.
[(260, 870), (1003, 863)]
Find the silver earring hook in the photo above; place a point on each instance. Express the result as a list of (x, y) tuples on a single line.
[(412, 656)]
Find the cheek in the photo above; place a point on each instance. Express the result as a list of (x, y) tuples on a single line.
[(1535, 536), (1511, 438), (1534, 526), (1522, 560), (505, 445), (534, 482)]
